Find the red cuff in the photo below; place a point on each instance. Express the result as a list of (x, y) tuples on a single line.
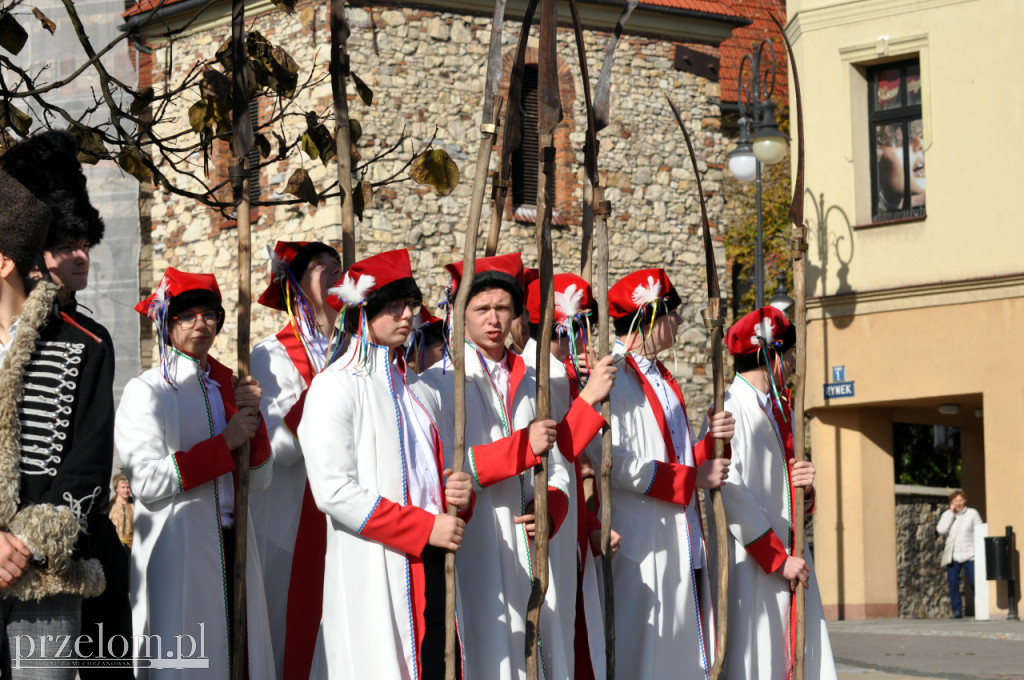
[(259, 447), (507, 457), (673, 483), (768, 551), (704, 451), (206, 461), (558, 508), (578, 429), (403, 527), (294, 415)]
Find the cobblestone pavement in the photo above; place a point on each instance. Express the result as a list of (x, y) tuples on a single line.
[(931, 649)]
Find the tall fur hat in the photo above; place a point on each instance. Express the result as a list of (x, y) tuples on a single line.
[(23, 223), (47, 164)]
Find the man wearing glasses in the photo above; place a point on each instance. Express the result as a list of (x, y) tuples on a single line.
[(177, 430)]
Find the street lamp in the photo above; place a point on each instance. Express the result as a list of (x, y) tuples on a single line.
[(768, 144)]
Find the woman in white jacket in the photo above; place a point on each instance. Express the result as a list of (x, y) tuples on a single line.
[(374, 459), (957, 525), (177, 429)]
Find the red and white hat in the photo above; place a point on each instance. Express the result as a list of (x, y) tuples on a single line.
[(370, 275), (635, 291), (572, 296), (172, 284), (510, 264), (294, 256), (767, 324)]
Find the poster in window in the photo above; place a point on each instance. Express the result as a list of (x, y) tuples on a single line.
[(899, 154), (887, 89)]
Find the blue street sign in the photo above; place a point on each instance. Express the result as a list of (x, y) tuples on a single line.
[(838, 373), (838, 389)]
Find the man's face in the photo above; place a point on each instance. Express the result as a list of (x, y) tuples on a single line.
[(124, 490), (393, 324), (68, 263), (489, 316), (193, 332), (663, 335), (322, 273), (958, 504)]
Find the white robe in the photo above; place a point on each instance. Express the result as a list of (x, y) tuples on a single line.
[(275, 512), (357, 467), (494, 565), (178, 583), (757, 500), (659, 633)]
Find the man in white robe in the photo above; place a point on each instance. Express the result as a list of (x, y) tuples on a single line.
[(579, 422), (663, 608), (284, 364), (758, 498), (177, 429), (503, 440), (375, 463)]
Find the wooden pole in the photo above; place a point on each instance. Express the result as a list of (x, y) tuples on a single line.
[(713, 321), (483, 159), (799, 244), (342, 137), (242, 140)]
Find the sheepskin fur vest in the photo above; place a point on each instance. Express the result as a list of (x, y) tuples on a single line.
[(56, 447)]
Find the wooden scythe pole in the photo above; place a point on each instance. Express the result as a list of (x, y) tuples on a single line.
[(241, 144), (595, 213), (799, 245), (512, 134), (488, 128), (342, 137), (714, 322), (549, 115)]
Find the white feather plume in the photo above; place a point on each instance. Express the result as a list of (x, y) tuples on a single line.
[(159, 301), (353, 292), (645, 295), (278, 265), (763, 329), (568, 303)]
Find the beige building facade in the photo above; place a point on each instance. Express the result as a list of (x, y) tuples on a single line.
[(916, 298)]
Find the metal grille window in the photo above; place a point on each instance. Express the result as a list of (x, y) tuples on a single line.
[(897, 141), (526, 159)]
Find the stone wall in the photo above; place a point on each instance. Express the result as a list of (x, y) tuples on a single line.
[(920, 579), (426, 69)]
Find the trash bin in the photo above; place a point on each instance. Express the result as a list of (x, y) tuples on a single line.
[(997, 558)]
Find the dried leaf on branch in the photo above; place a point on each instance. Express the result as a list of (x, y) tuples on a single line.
[(436, 168), (301, 186), (12, 34), (44, 20)]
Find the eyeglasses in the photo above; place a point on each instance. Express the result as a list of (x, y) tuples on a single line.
[(396, 308), (188, 321)]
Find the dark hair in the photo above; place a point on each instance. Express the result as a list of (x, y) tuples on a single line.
[(490, 280), (195, 298), (671, 302), (400, 289), (306, 254), (748, 362)]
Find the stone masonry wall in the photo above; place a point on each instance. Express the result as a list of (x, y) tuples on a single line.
[(920, 578), (426, 69)]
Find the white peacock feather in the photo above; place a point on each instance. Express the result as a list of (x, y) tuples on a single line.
[(278, 265), (645, 295), (763, 329), (353, 292), (159, 302), (568, 303)]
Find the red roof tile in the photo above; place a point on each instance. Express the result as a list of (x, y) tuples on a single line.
[(745, 38), (143, 6), (720, 7)]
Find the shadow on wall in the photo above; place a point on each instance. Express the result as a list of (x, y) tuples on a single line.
[(834, 250)]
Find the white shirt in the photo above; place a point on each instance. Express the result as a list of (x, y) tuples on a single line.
[(675, 419), (4, 348), (500, 374), (317, 347), (218, 417), (424, 483)]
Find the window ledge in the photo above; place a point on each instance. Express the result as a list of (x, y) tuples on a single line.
[(889, 223)]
